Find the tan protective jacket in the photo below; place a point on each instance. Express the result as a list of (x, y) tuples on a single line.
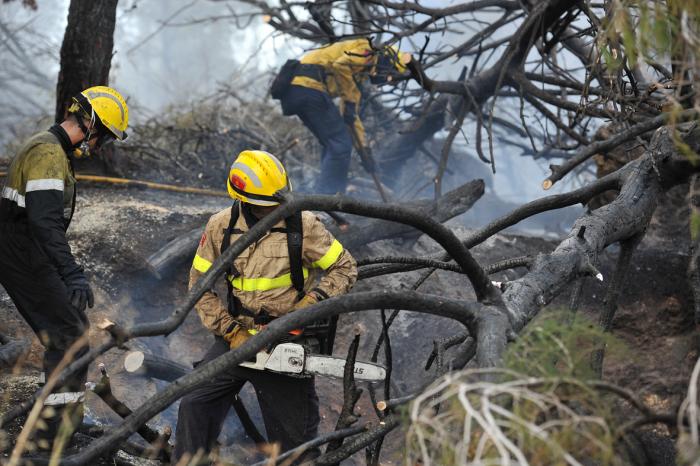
[(346, 63), (265, 280)]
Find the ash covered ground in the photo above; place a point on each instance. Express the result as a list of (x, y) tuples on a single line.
[(115, 230)]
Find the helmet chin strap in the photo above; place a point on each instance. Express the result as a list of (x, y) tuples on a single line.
[(83, 149)]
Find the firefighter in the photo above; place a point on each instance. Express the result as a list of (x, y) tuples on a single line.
[(37, 268), (337, 70), (268, 279)]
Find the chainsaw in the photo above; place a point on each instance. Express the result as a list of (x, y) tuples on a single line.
[(294, 359)]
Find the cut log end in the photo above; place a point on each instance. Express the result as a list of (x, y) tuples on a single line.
[(546, 184), (381, 405), (106, 324), (134, 361)]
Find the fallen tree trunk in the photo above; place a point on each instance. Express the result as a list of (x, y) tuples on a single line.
[(357, 233), (641, 183), (176, 251), (149, 365), (364, 231)]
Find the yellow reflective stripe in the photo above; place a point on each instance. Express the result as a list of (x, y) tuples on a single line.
[(200, 264), (330, 257), (264, 283)]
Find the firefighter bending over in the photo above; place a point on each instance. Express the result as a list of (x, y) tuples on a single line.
[(37, 268), (306, 88), (272, 277)]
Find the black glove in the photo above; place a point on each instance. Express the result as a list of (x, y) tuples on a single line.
[(79, 291), (349, 113)]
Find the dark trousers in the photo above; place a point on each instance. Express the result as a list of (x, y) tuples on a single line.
[(289, 407), (38, 292), (318, 113)]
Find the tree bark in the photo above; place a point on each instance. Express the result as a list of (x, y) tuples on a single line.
[(86, 56)]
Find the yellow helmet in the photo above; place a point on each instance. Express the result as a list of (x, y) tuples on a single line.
[(108, 105), (389, 62), (255, 177), (398, 58)]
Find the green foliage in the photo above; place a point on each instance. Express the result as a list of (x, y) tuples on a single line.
[(553, 345), (541, 409), (644, 31), (694, 225)]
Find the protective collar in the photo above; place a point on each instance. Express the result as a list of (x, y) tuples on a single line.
[(63, 138)]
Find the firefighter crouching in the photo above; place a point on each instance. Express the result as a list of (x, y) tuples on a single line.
[(306, 88), (272, 277), (37, 268)]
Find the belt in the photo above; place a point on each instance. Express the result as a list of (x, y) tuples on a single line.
[(316, 72)]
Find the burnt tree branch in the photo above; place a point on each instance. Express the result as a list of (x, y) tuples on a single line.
[(461, 311)]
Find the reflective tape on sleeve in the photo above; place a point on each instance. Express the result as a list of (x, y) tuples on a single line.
[(44, 185), (200, 264), (264, 283), (331, 256), (13, 195)]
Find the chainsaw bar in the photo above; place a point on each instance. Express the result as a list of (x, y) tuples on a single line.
[(292, 359), (335, 367)]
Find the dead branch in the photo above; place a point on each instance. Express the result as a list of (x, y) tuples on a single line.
[(159, 442), (559, 171), (612, 295), (442, 235), (421, 262), (358, 442), (642, 181), (350, 234), (459, 310), (351, 395), (318, 441), (453, 203), (577, 196)]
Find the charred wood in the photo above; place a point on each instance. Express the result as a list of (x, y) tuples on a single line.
[(318, 441), (354, 234), (694, 261), (437, 231), (421, 262), (612, 295), (351, 395), (461, 311), (642, 181), (456, 202), (150, 365), (358, 442), (173, 253), (159, 442), (12, 350)]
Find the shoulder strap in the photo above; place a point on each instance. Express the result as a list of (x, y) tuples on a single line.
[(233, 308), (295, 238)]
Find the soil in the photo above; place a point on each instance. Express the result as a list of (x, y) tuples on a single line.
[(116, 229)]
